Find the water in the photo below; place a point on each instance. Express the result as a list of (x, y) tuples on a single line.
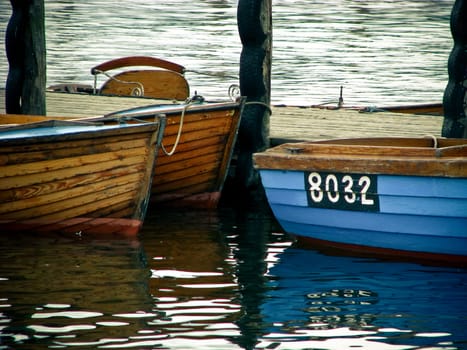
[(231, 279), (382, 52), (228, 279)]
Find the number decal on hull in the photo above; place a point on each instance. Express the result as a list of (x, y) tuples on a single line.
[(342, 191)]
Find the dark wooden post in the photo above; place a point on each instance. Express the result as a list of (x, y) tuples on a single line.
[(26, 53), (254, 19), (455, 95)]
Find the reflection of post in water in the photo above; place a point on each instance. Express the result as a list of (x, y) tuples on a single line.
[(70, 290), (208, 275), (254, 225), (251, 267)]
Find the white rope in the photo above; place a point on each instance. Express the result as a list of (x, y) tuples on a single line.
[(189, 102), (265, 105), (435, 140)]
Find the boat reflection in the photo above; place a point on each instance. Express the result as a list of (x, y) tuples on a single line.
[(336, 302), (209, 275), (193, 281), (68, 291)]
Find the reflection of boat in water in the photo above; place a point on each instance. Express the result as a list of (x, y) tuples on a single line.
[(334, 302), (193, 280), (66, 291)]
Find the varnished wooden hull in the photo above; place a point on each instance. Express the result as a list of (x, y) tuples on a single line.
[(426, 109), (420, 109), (194, 175), (402, 196), (76, 178)]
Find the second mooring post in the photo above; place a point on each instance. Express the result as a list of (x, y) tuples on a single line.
[(455, 95), (254, 19)]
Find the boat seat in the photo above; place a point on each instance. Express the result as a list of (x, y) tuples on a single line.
[(162, 84), (166, 81)]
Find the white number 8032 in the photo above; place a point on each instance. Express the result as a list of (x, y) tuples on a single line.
[(357, 192)]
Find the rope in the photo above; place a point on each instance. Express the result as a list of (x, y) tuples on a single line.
[(137, 91), (435, 140), (188, 103), (219, 75), (371, 109), (265, 105)]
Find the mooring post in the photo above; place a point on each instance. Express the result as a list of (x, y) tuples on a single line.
[(455, 94), (26, 54), (254, 18)]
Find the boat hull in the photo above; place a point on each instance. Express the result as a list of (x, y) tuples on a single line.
[(198, 144), (369, 210), (423, 222), (194, 173), (84, 179)]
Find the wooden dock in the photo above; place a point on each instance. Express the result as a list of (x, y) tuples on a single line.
[(287, 123)]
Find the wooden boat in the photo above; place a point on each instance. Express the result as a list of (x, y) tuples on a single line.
[(163, 79), (435, 109), (76, 177), (199, 138), (388, 195), (196, 152), (198, 144)]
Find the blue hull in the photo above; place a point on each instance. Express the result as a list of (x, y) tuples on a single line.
[(405, 213)]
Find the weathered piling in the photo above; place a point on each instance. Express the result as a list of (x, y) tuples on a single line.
[(254, 19), (26, 54), (455, 94)]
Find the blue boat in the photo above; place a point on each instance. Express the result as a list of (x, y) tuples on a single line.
[(396, 196)]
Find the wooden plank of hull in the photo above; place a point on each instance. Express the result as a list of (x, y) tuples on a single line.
[(405, 244), (67, 197), (16, 155), (435, 109), (407, 159), (331, 247), (79, 182), (85, 225), (427, 109), (187, 184), (194, 175), (188, 168)]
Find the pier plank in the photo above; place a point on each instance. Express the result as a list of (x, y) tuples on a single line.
[(287, 123)]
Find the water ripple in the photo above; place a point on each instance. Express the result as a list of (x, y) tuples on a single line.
[(381, 52)]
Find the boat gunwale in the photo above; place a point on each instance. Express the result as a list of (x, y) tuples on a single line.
[(168, 109), (354, 156), (106, 130)]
